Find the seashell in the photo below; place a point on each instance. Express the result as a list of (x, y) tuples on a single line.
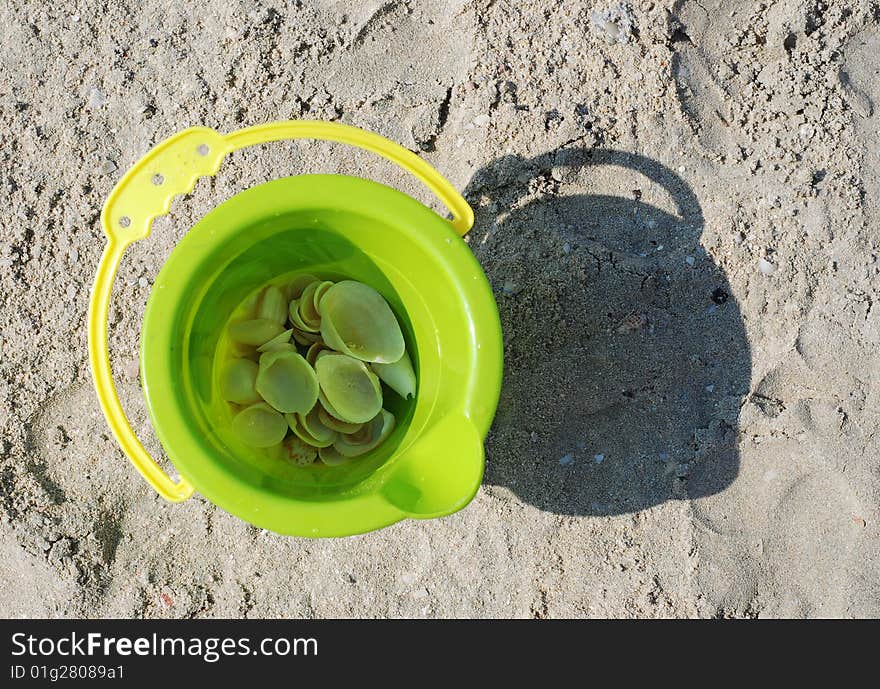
[(237, 382), (314, 349), (298, 338), (248, 308), (329, 408), (399, 376), (256, 331), (356, 320), (286, 347), (294, 288), (294, 421), (335, 424), (319, 294), (332, 458), (362, 436), (259, 425), (311, 338), (296, 319), (368, 438), (345, 449), (287, 382), (313, 425), (351, 389), (276, 342), (307, 312), (306, 339), (273, 305), (237, 349), (293, 449)]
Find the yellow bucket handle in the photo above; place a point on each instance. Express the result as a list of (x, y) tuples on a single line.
[(146, 191)]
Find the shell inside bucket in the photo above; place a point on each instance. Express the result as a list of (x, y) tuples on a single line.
[(267, 460), (332, 227)]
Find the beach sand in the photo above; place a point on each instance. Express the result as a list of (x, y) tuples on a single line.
[(676, 206)]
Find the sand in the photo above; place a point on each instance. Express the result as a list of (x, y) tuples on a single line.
[(676, 207)]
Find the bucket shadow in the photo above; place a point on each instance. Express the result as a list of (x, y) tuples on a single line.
[(626, 358)]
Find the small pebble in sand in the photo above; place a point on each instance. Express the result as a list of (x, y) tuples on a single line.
[(143, 282), (96, 98), (73, 255), (766, 267), (610, 28), (599, 458), (710, 388), (510, 288), (566, 459), (615, 23), (108, 166), (690, 260), (72, 220), (566, 248), (71, 292), (719, 296)]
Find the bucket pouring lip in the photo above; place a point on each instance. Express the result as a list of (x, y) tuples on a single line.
[(421, 487), (434, 473)]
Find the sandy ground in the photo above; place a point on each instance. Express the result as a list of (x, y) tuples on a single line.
[(676, 206)]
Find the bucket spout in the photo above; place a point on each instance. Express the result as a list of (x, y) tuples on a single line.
[(441, 473)]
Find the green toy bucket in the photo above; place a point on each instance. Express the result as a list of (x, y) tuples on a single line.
[(334, 226)]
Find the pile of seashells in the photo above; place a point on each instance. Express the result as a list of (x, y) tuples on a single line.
[(309, 358)]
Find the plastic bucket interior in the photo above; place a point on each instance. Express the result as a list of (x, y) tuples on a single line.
[(333, 226)]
